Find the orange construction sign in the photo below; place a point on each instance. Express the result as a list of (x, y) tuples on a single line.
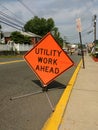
[(47, 59)]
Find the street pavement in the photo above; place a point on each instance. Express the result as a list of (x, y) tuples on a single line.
[(81, 112), (29, 112)]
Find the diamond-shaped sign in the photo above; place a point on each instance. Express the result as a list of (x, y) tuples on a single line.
[(47, 59)]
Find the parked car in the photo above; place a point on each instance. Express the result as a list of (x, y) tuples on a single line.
[(79, 52)]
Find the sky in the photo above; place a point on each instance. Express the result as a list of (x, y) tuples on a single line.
[(63, 12)]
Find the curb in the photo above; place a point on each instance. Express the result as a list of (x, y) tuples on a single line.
[(54, 121)]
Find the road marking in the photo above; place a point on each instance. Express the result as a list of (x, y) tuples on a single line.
[(55, 119), (9, 62)]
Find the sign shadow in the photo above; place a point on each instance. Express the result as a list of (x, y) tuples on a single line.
[(53, 85)]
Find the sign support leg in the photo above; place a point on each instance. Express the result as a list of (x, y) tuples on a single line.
[(25, 95), (44, 90), (49, 102)]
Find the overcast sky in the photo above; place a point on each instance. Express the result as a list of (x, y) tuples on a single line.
[(63, 12)]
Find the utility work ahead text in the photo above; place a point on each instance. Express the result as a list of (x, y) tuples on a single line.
[(47, 60)]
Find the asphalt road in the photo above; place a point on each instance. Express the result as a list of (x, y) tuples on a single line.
[(30, 112)]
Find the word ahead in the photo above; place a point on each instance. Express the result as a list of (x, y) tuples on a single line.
[(47, 59)]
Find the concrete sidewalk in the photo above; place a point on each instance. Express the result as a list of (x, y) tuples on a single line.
[(82, 109)]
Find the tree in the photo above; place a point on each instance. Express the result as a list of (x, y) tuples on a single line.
[(17, 37), (57, 36), (0, 33), (0, 27), (41, 26)]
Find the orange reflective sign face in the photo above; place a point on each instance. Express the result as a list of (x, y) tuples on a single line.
[(48, 60)]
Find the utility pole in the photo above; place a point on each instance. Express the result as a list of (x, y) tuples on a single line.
[(0, 33), (95, 28)]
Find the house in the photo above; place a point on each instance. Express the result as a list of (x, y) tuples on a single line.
[(7, 36), (34, 37)]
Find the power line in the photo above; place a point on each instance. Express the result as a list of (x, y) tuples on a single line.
[(13, 22), (8, 17), (21, 22), (6, 20), (84, 34), (10, 25), (26, 7)]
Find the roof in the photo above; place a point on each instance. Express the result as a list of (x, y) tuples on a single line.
[(30, 34), (8, 34)]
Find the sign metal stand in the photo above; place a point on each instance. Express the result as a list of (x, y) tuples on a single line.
[(47, 63), (44, 90)]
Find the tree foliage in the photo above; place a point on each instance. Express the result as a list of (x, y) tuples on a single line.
[(1, 33), (17, 37), (42, 26), (39, 26), (57, 36), (0, 27)]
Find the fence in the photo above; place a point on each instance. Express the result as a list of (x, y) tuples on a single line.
[(18, 48)]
